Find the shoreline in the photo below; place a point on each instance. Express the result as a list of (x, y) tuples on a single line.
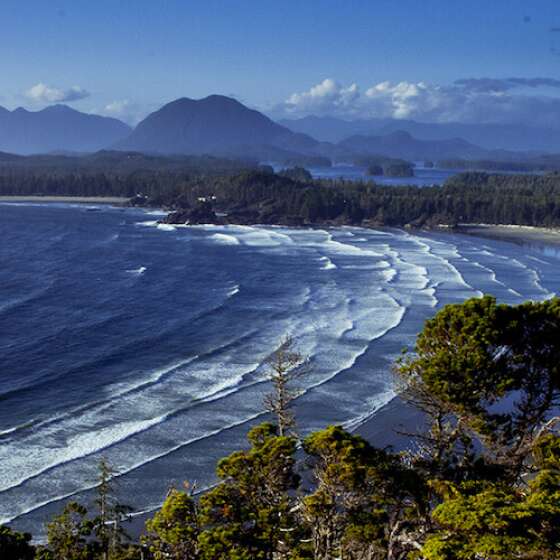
[(112, 200), (513, 233), (389, 425), (520, 235)]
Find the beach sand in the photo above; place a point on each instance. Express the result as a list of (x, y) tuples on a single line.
[(522, 235)]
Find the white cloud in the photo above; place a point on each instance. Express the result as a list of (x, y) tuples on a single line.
[(468, 100), (384, 99), (404, 100), (42, 93), (326, 95)]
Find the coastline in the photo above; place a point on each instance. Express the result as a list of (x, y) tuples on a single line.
[(521, 235), (389, 425), (112, 200)]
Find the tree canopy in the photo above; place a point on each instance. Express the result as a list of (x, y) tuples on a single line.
[(480, 480)]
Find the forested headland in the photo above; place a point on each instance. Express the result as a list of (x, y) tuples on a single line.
[(480, 479), (549, 162), (233, 191), (260, 197)]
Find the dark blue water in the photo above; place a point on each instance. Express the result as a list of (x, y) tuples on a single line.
[(423, 177), (146, 344)]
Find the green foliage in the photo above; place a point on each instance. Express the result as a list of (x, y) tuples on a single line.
[(482, 482), (249, 194), (74, 535), (248, 515), (14, 545), (107, 524), (540, 163), (362, 494), (489, 373), (173, 531), (498, 521), (399, 170), (297, 174), (68, 534), (492, 371)]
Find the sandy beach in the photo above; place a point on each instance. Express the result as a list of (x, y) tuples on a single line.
[(522, 235), (114, 200)]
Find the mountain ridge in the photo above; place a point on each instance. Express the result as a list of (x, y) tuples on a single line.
[(221, 126), (57, 127), (214, 124), (403, 145), (491, 136)]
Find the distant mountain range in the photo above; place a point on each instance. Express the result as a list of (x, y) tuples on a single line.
[(57, 128), (214, 125), (516, 137), (403, 145), (221, 126)]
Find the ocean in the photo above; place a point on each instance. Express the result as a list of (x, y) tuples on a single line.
[(423, 176), (146, 343)]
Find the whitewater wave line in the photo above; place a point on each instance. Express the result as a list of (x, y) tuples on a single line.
[(427, 248), (381, 402), (148, 340), (343, 365), (158, 375), (235, 387), (133, 468), (153, 379)]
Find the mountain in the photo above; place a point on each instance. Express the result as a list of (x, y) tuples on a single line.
[(517, 137), (222, 126), (214, 125), (57, 128), (401, 144), (512, 137), (333, 129)]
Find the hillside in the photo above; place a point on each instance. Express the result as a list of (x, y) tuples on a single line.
[(491, 136), (213, 125), (401, 144), (57, 128)]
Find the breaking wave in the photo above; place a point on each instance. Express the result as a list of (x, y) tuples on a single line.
[(206, 316)]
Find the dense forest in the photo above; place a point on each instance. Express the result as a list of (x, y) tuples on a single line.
[(480, 479), (550, 162), (381, 165), (243, 192), (113, 162), (260, 197)]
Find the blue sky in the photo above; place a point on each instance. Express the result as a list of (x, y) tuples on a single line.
[(129, 57)]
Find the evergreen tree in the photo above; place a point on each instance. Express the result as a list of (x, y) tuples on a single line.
[(173, 531), (284, 367), (15, 545), (488, 374), (480, 520), (365, 500), (107, 525), (248, 516), (68, 535)]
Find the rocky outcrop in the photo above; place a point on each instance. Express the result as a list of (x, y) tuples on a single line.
[(202, 213)]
